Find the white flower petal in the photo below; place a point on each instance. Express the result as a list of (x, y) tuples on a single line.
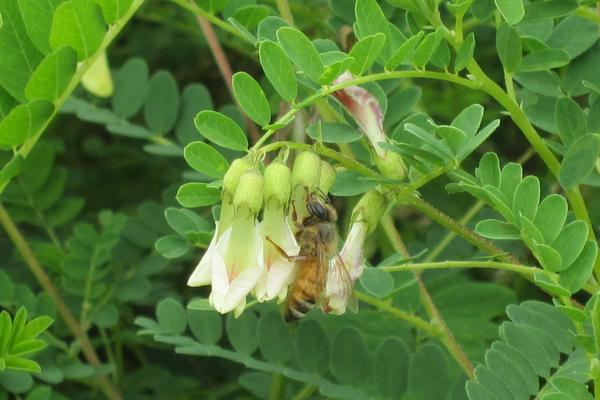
[(239, 289), (280, 275), (202, 273)]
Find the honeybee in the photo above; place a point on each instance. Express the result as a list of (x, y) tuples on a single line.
[(318, 262)]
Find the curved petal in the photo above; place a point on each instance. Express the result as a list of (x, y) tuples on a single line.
[(202, 273), (279, 277), (239, 289)]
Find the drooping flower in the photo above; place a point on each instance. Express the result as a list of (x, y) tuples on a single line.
[(234, 261), (366, 111), (277, 235), (365, 216)]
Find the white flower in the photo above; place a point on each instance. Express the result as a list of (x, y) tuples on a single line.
[(341, 278), (280, 271)]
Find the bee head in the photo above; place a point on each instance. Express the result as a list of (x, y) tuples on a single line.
[(320, 208)]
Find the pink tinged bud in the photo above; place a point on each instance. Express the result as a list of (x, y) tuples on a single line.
[(365, 109)]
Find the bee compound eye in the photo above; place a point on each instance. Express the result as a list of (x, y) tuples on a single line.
[(319, 211)]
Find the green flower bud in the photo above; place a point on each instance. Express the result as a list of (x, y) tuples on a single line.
[(307, 171), (249, 192), (327, 177), (391, 165), (232, 176), (369, 209), (278, 183)]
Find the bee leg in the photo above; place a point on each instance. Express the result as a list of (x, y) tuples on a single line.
[(298, 225), (283, 253)]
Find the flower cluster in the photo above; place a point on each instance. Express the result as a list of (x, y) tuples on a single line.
[(252, 255)]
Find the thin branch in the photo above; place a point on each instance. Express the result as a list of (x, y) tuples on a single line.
[(446, 336), (521, 269), (284, 10), (110, 390), (224, 69)]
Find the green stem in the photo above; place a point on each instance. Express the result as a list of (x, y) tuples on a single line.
[(441, 246), (326, 91), (588, 13), (521, 269), (110, 390), (277, 384), (305, 392), (413, 320), (196, 10), (284, 10), (446, 335), (112, 33)]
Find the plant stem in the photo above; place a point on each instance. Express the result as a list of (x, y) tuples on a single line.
[(109, 389), (415, 321), (521, 269), (196, 10), (446, 336), (112, 33), (441, 246), (277, 384), (224, 69), (284, 10), (461, 230), (305, 392), (588, 13)]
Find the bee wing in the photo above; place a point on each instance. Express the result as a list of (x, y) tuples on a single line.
[(344, 281), (322, 273)]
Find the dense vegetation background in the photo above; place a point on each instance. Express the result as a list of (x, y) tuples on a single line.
[(93, 230)]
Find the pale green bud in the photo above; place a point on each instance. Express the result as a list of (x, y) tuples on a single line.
[(307, 171), (278, 184), (391, 165), (249, 192), (97, 80), (232, 176), (369, 209), (327, 178)]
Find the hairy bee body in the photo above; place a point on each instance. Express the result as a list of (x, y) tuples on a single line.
[(318, 243)]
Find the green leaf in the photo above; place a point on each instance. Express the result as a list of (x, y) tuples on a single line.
[(349, 367), (365, 52), (36, 327), (551, 216), (333, 132), (195, 194), (242, 332), (249, 36), (114, 10), (267, 28), (17, 381), (549, 9), (580, 160), (311, 346), (185, 221), (278, 70), (370, 20), (171, 316), (350, 183), (427, 48), (469, 119), (251, 15), (390, 368), (221, 130), (131, 88), (53, 75), (574, 35), (23, 365), (251, 98), (428, 374), (162, 103), (577, 275), (301, 51), (570, 120), (78, 24), (508, 46), (545, 59), (496, 229), (205, 159), (464, 53), (19, 56), (206, 326), (504, 368), (454, 137), (488, 171), (274, 338), (23, 121), (527, 197), (377, 282), (570, 242), (548, 257), (512, 10), (172, 246), (37, 17), (402, 53)]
